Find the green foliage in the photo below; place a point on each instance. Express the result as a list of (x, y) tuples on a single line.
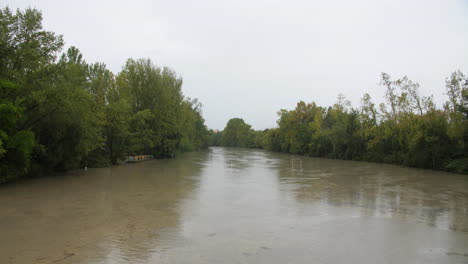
[(238, 134), (60, 113), (406, 130), (16, 144), (164, 122), (64, 114), (214, 137), (459, 165), (24, 46)]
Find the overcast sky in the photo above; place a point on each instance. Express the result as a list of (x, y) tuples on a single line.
[(250, 58)]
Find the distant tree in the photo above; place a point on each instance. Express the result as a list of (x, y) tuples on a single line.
[(237, 134), (406, 130)]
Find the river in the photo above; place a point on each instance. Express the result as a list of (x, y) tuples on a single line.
[(226, 205)]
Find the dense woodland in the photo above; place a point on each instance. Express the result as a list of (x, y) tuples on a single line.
[(407, 129), (58, 112)]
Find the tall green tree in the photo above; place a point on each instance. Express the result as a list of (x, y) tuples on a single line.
[(26, 55), (237, 133), (407, 129), (60, 113)]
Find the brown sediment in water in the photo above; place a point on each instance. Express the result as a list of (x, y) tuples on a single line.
[(237, 206)]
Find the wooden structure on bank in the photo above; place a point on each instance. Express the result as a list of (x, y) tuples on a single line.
[(138, 158)]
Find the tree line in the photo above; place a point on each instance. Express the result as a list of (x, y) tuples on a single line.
[(407, 129), (58, 112)]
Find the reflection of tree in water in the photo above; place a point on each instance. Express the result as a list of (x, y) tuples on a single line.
[(118, 214), (368, 189), (239, 159)]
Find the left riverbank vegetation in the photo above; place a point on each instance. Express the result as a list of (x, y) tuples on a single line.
[(407, 129), (58, 112)]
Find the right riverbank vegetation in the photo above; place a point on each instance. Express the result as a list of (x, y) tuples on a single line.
[(407, 129), (58, 112)]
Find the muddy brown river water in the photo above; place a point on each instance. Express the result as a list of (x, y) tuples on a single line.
[(237, 206)]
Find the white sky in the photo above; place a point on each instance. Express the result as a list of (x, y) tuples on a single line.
[(250, 58)]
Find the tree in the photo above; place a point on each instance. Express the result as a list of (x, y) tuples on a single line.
[(237, 134), (63, 113), (16, 145), (26, 51), (406, 130)]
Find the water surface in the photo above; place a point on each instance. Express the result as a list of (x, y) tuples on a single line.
[(237, 206)]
